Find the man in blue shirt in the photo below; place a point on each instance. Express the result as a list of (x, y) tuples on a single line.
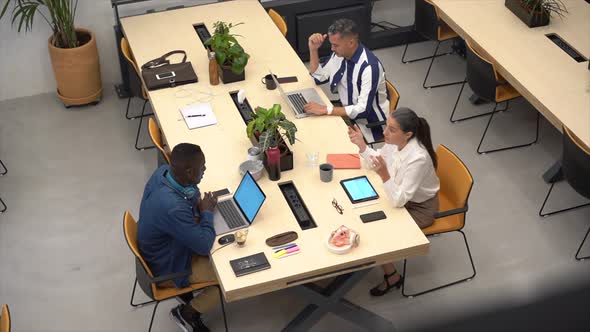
[(355, 73), (175, 231)]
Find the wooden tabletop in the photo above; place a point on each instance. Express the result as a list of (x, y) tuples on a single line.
[(553, 82), (225, 146)]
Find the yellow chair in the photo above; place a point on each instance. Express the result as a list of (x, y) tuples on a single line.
[(393, 101), (279, 21), (5, 319), (149, 284), (455, 186), (156, 136), (126, 50)]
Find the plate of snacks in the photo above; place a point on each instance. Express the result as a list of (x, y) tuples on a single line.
[(342, 240)]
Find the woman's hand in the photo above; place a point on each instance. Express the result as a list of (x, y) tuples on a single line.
[(356, 137), (380, 167)]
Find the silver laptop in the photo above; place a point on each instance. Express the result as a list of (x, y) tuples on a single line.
[(296, 99), (239, 210)]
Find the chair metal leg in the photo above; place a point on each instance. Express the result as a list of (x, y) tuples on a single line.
[(420, 59), (467, 117), (137, 116), (4, 207), (222, 308), (508, 147), (133, 295), (580, 248), (541, 214), (428, 72), (445, 285), (153, 314), (141, 148), (5, 170)]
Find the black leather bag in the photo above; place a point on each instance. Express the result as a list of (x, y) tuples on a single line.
[(160, 73)]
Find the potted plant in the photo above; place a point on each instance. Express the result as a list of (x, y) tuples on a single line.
[(266, 127), (73, 52), (230, 56), (536, 13)]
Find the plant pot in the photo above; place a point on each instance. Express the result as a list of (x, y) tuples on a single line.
[(286, 154), (77, 70), (228, 76), (530, 18)]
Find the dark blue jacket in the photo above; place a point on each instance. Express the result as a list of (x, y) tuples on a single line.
[(168, 234)]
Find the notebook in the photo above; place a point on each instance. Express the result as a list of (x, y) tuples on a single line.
[(249, 264), (198, 115), (344, 160)]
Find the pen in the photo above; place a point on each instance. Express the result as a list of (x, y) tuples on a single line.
[(284, 246), (195, 115), (291, 254), (284, 252), (362, 206)]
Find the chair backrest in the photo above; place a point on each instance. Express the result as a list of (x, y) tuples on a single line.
[(393, 96), (142, 270), (156, 136), (5, 319), (575, 163), (455, 181), (137, 86), (279, 21), (481, 75), (426, 19)]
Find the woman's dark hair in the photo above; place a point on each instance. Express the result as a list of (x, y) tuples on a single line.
[(408, 121)]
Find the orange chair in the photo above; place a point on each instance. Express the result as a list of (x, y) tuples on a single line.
[(149, 284), (455, 186), (393, 101), (279, 21), (5, 319), (156, 136), (126, 50)]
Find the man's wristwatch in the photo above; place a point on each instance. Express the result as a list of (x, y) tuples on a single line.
[(330, 109)]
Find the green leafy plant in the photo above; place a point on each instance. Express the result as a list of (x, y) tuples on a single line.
[(267, 123), (545, 6), (228, 51), (59, 14)]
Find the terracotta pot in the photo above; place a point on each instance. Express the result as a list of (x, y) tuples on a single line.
[(77, 70)]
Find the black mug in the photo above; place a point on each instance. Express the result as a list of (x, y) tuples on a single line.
[(270, 83)]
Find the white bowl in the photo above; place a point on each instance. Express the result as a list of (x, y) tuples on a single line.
[(254, 166)]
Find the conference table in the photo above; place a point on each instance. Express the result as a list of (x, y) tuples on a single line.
[(552, 81), (225, 146)]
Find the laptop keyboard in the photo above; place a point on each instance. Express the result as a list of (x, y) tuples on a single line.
[(230, 214), (298, 101)]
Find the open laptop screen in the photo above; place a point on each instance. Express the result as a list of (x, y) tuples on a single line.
[(249, 197)]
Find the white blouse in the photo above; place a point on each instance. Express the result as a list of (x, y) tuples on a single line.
[(412, 174)]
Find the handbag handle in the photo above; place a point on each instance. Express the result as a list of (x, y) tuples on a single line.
[(163, 60)]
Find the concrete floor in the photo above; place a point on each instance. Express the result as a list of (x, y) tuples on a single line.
[(64, 265)]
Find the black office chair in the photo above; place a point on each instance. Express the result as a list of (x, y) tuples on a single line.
[(490, 86), (5, 170), (429, 25)]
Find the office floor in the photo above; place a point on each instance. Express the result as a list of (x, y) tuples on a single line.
[(72, 173)]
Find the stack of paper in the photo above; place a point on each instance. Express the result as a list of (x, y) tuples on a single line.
[(198, 115)]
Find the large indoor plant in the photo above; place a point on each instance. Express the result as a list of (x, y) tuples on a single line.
[(536, 13), (229, 54), (73, 52), (271, 128)]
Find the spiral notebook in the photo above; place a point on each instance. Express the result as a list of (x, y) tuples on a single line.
[(198, 115)]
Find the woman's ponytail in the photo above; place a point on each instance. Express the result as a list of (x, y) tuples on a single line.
[(423, 135)]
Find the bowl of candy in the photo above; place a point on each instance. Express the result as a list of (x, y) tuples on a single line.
[(342, 240)]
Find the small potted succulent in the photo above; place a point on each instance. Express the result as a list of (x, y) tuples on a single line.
[(269, 127), (536, 13), (229, 54)]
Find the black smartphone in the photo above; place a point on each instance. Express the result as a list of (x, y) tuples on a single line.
[(289, 79), (373, 216), (221, 192)]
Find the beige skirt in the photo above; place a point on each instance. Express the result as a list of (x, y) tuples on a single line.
[(423, 213)]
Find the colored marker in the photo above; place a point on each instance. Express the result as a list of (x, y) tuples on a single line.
[(291, 254), (286, 247)]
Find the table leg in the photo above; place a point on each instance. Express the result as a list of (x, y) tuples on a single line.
[(330, 299)]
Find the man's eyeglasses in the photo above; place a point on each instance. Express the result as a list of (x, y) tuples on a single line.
[(338, 207)]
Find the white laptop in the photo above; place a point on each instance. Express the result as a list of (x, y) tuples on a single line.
[(296, 99), (239, 211)]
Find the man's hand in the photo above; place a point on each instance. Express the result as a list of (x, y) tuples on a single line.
[(208, 202), (315, 108), (356, 137), (380, 167), (315, 41)]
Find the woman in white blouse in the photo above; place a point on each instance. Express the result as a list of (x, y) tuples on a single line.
[(406, 165)]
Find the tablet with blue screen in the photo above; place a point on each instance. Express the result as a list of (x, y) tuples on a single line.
[(359, 189)]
